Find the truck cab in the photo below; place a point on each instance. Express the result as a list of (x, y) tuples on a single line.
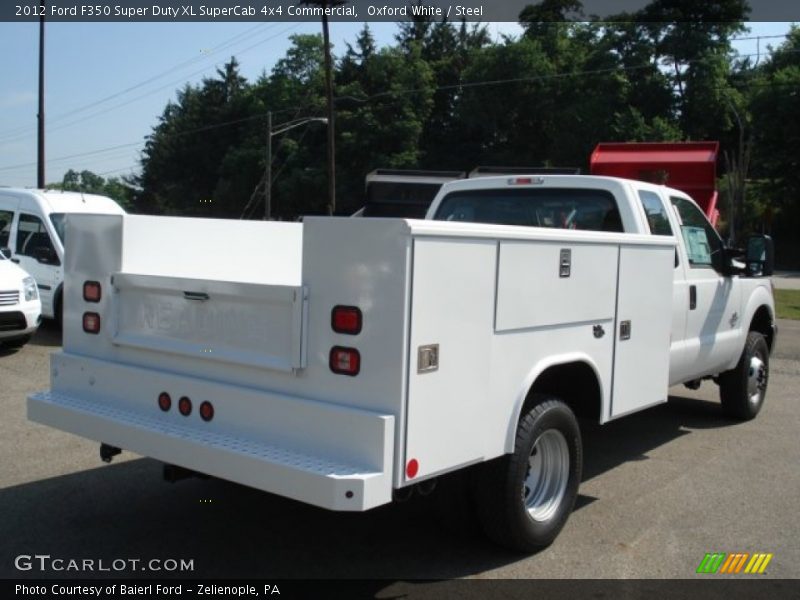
[(714, 302)]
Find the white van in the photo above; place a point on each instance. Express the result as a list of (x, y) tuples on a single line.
[(32, 234), (20, 309)]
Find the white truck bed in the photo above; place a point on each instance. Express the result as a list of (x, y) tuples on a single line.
[(239, 314)]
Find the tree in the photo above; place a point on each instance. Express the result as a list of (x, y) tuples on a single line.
[(88, 182), (186, 169), (773, 102)]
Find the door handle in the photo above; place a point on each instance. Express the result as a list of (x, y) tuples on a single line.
[(692, 297), (198, 296)]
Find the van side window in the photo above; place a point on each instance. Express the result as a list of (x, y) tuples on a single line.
[(31, 234), (657, 217), (5, 227), (703, 244)]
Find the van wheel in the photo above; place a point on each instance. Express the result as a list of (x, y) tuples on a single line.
[(743, 388), (524, 499), (58, 311), (17, 342)]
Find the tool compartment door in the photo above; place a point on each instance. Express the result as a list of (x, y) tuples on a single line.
[(451, 315), (644, 322)]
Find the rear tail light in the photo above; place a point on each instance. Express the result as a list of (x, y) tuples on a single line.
[(92, 292), (345, 361), (346, 319), (185, 406), (91, 322), (164, 401), (206, 411)]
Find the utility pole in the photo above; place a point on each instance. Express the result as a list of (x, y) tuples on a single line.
[(40, 117), (272, 132), (268, 171), (331, 127), (325, 4)]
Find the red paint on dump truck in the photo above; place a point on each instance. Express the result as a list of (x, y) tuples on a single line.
[(688, 166)]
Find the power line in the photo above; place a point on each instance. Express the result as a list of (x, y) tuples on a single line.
[(12, 135)]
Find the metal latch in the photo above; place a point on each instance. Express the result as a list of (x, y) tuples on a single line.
[(428, 358), (199, 296), (625, 330), (565, 262)]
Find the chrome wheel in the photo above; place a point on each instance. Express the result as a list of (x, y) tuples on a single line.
[(756, 379), (545, 483)]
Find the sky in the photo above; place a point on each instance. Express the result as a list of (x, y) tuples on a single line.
[(107, 83)]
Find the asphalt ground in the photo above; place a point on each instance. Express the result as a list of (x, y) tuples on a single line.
[(660, 489)]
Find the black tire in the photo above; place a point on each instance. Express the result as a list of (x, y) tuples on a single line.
[(17, 342), (742, 389), (58, 311), (501, 492)]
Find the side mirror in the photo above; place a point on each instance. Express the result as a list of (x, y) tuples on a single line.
[(760, 256), (46, 255)]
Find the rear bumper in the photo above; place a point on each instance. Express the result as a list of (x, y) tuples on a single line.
[(326, 455)]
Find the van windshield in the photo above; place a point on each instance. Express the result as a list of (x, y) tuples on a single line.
[(57, 219)]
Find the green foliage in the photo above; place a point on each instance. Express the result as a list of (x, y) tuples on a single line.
[(445, 96), (787, 304)]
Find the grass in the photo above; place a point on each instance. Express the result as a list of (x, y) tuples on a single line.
[(787, 304)]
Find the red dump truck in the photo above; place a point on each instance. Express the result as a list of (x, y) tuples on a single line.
[(687, 166)]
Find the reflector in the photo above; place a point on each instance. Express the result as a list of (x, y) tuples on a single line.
[(91, 322), (345, 361)]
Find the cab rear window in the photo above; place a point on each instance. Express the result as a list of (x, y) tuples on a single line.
[(563, 208)]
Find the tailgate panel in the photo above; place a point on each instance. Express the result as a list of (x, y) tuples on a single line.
[(251, 324)]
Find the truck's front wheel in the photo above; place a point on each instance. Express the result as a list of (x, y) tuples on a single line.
[(742, 389), (524, 499)]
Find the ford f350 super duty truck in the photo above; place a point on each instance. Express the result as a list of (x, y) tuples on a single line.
[(341, 362)]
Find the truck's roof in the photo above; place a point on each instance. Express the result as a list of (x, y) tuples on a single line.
[(532, 180)]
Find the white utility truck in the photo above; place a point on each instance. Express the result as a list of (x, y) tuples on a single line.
[(341, 362)]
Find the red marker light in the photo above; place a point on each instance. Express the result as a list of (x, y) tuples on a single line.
[(412, 468), (206, 411), (92, 292), (185, 406), (346, 319), (164, 401)]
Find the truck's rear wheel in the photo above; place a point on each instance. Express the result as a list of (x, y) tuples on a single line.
[(743, 388), (524, 499)]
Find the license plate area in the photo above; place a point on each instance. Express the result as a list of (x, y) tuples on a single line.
[(249, 324)]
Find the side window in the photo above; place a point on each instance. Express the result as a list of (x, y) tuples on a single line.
[(6, 216), (31, 235), (656, 213), (703, 244)]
